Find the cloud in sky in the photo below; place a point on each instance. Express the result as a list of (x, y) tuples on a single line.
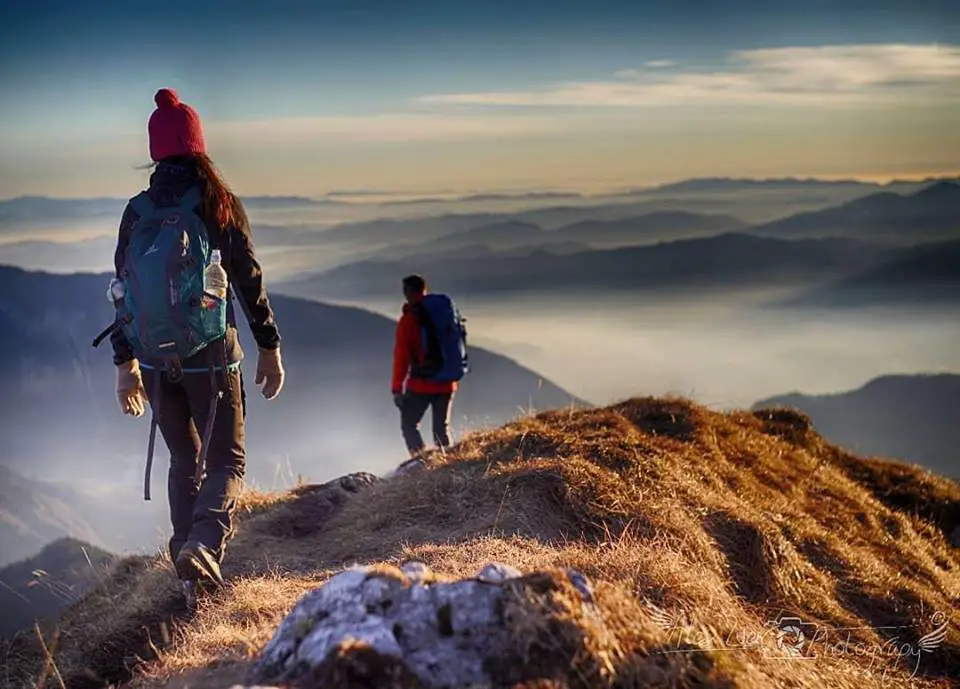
[(658, 64), (832, 75), (807, 76), (304, 135), (381, 128), (586, 133)]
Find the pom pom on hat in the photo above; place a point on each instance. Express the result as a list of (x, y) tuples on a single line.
[(166, 98)]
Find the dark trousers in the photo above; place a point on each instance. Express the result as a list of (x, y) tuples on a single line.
[(201, 512), (415, 405)]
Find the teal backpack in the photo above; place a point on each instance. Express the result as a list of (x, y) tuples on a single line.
[(164, 312)]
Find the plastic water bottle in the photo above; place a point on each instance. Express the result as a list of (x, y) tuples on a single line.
[(215, 277), (116, 291)]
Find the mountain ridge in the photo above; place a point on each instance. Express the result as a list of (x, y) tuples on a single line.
[(923, 276), (691, 184), (42, 586), (648, 536), (932, 212), (910, 417), (734, 257)]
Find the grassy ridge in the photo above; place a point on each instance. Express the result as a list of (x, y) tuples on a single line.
[(698, 529)]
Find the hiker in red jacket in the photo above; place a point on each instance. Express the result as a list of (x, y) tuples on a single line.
[(413, 395)]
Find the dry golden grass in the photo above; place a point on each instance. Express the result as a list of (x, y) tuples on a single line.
[(696, 528)]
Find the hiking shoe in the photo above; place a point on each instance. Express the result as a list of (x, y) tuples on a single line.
[(194, 589), (196, 563)]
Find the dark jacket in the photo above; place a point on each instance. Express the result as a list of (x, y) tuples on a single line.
[(169, 181)]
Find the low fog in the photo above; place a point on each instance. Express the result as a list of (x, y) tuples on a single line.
[(724, 350)]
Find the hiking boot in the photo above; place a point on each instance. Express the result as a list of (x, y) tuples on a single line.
[(196, 563), (193, 589)]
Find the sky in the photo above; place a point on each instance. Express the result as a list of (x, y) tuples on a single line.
[(309, 97)]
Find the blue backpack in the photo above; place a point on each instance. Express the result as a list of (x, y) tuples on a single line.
[(164, 313), (443, 336)]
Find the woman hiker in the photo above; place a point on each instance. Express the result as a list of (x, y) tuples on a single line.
[(201, 507)]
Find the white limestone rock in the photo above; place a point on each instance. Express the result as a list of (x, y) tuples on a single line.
[(497, 573), (442, 632)]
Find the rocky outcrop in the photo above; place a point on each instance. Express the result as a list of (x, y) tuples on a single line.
[(408, 627), (312, 505)]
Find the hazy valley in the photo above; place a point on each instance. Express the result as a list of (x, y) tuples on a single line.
[(724, 291)]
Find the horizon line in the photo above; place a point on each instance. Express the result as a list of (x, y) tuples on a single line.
[(452, 195)]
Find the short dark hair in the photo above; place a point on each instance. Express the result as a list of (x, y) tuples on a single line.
[(415, 284)]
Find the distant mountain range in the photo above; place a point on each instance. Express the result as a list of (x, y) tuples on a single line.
[(729, 184), (647, 228), (704, 247), (388, 231), (297, 229), (93, 254), (46, 207), (32, 207), (335, 409), (907, 417), (928, 275), (647, 217), (932, 213), (41, 587), (43, 208), (267, 202), (865, 210), (733, 259), (483, 198), (520, 237), (490, 249), (703, 185)]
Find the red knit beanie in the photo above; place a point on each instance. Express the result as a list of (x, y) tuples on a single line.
[(174, 127)]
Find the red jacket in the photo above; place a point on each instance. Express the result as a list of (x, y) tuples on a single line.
[(408, 349)]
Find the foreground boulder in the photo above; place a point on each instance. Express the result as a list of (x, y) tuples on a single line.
[(406, 627)]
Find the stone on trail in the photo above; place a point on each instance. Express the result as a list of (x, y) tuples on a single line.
[(408, 626)]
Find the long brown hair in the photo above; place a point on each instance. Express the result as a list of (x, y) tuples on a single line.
[(219, 203)]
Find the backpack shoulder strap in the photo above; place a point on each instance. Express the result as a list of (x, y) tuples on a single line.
[(142, 204), (190, 200), (422, 315)]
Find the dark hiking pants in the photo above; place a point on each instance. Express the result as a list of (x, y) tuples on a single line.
[(201, 512), (415, 405)]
